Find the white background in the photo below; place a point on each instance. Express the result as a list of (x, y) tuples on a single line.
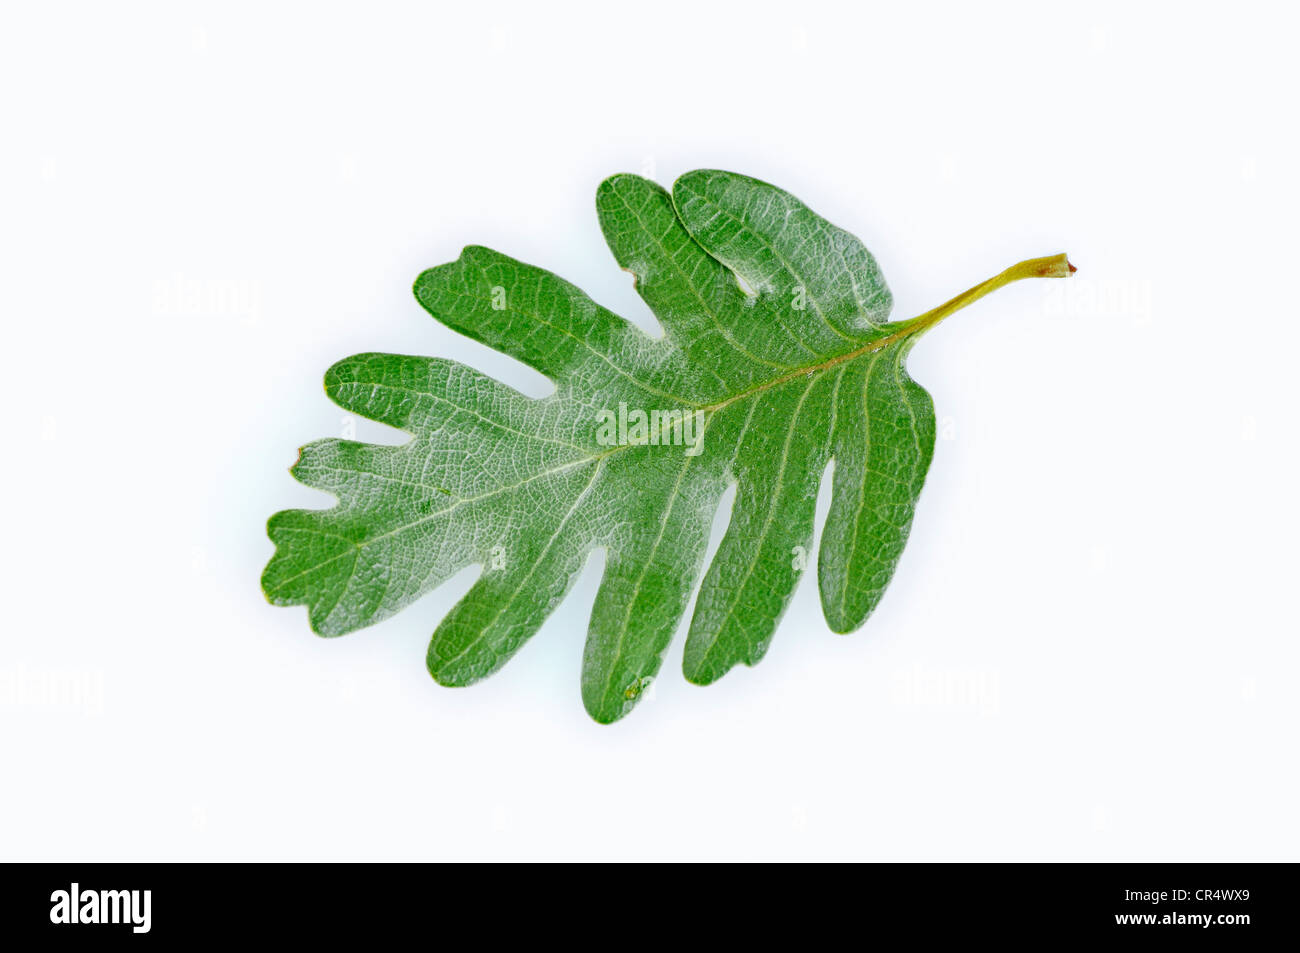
[(1090, 648)]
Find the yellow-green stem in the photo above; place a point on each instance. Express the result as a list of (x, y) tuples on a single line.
[(1053, 266)]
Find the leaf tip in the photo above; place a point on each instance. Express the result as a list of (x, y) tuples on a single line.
[(697, 675), (841, 622), (611, 704), (610, 182), (446, 675)]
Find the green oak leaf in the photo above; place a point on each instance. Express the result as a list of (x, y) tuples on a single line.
[(776, 357)]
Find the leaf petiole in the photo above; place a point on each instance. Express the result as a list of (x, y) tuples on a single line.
[(1052, 266)]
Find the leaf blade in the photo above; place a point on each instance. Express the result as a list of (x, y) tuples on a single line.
[(775, 359)]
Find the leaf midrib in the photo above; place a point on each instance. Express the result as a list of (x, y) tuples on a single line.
[(710, 410)]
